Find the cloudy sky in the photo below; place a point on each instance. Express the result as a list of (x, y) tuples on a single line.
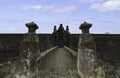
[(103, 14)]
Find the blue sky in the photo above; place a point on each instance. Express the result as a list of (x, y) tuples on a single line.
[(103, 14)]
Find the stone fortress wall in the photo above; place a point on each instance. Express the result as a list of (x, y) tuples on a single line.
[(104, 48), (107, 45), (10, 45)]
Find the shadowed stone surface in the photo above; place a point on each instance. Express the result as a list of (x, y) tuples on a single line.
[(58, 64)]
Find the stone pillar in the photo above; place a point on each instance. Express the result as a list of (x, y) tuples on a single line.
[(25, 66), (31, 36), (31, 39), (67, 37), (55, 29), (67, 29), (54, 36), (87, 62), (30, 49)]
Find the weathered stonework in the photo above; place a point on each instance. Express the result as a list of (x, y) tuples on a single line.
[(24, 55), (61, 37), (87, 61), (25, 65)]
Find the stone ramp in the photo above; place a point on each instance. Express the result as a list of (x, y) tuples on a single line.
[(58, 64)]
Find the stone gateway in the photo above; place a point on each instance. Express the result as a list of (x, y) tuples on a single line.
[(60, 54)]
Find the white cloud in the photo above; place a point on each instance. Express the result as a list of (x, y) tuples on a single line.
[(57, 9), (110, 5), (65, 8), (91, 0), (29, 7), (37, 7), (48, 7)]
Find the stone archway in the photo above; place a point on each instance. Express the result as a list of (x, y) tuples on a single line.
[(60, 42)]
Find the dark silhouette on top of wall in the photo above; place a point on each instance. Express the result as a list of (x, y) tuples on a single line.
[(61, 36)]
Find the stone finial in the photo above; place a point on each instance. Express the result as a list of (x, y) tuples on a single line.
[(67, 29), (61, 25), (61, 28), (55, 29), (31, 27), (85, 27)]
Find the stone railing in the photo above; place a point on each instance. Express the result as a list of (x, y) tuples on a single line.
[(74, 53), (46, 52)]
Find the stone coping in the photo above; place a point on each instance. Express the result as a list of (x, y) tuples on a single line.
[(46, 52), (71, 51)]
